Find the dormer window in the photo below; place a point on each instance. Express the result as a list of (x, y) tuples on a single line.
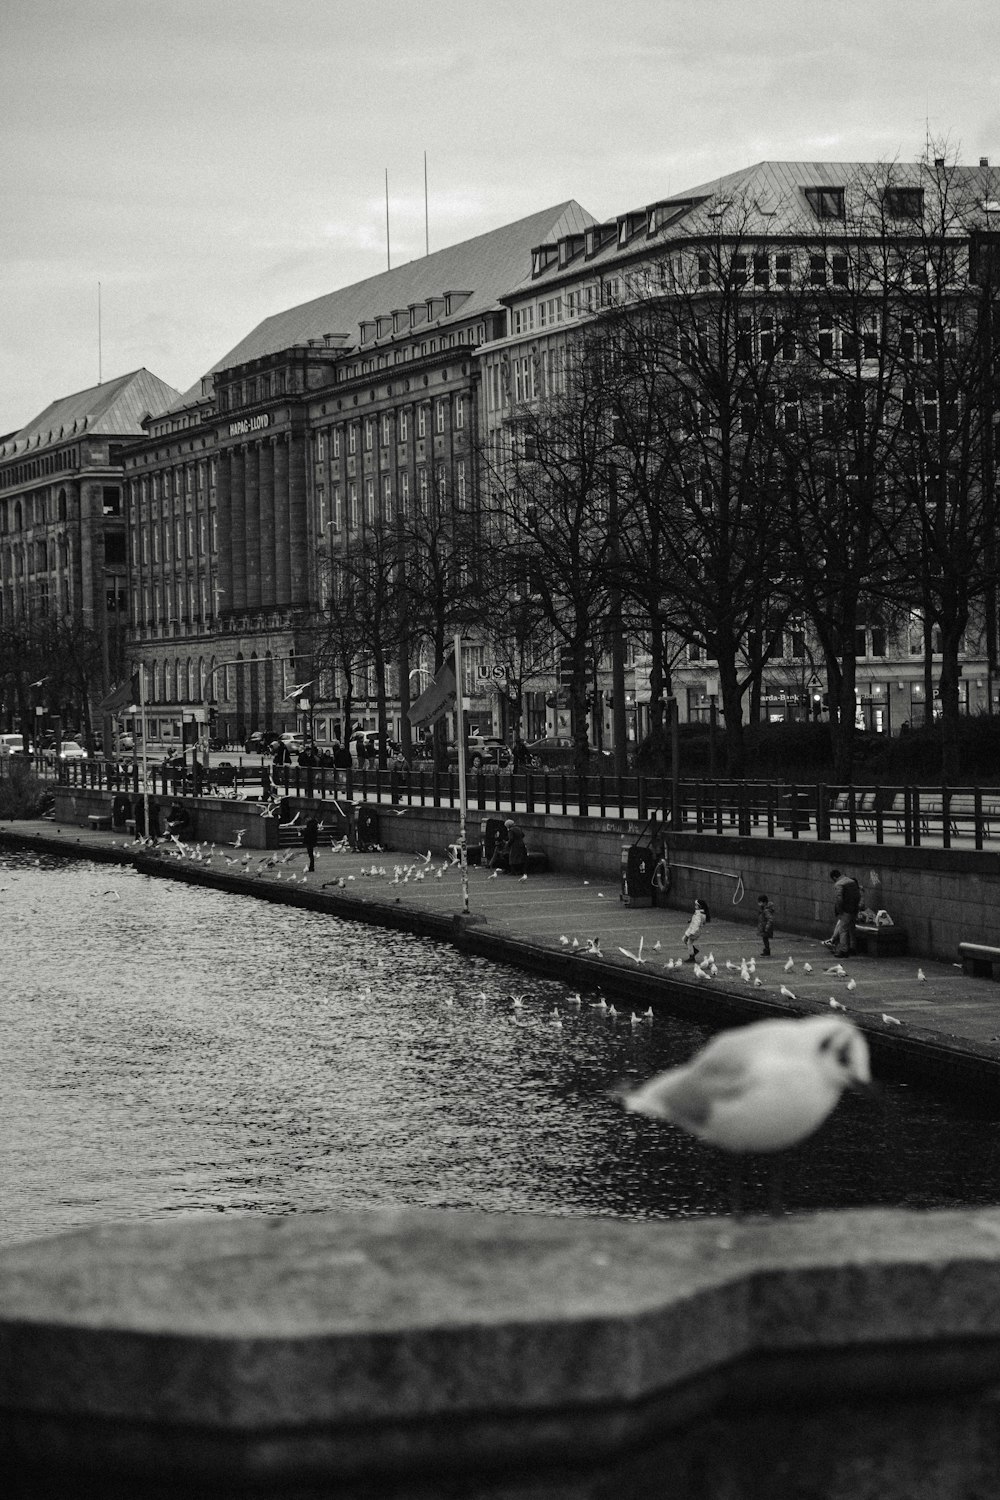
[(826, 202), (629, 224), (904, 202)]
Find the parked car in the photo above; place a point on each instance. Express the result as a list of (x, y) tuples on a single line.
[(483, 753), (259, 742), (558, 753), (126, 742), (292, 740), (67, 750)]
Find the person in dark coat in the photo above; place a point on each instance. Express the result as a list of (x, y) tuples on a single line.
[(310, 838), (517, 852)]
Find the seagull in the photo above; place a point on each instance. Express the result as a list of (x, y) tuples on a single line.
[(807, 968), (601, 1004), (837, 969), (647, 1014), (564, 940), (787, 993), (852, 984), (758, 984), (517, 1001), (239, 838), (657, 946), (890, 1020), (836, 1005), (594, 947), (574, 999), (921, 976), (635, 957), (790, 965), (763, 1087)]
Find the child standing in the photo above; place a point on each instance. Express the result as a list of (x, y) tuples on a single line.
[(698, 919), (765, 925)]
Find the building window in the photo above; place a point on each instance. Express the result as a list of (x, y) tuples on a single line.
[(352, 505), (421, 421), (352, 439), (422, 490), (404, 425), (370, 501), (404, 493), (386, 429), (336, 519), (460, 484), (459, 413), (387, 498), (320, 447), (826, 202), (439, 417), (904, 202), (369, 434), (336, 442)]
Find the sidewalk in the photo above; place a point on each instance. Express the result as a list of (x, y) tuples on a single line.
[(945, 1028)]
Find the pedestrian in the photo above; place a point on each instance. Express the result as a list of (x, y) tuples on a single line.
[(661, 874), (699, 917), (765, 924), (310, 838), (517, 852), (843, 940)]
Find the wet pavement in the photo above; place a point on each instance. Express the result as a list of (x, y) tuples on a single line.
[(943, 1026)]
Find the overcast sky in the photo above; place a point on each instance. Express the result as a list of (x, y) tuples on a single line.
[(211, 162)]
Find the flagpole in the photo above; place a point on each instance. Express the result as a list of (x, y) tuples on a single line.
[(145, 773), (462, 795)]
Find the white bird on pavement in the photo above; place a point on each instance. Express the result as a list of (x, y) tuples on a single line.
[(787, 993), (790, 964), (837, 969), (836, 1005), (852, 984), (921, 977), (762, 1087), (807, 968), (890, 1020), (635, 957), (594, 947)]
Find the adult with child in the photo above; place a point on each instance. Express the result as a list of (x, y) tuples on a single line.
[(843, 941)]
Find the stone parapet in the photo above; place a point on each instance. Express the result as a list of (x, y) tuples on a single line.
[(410, 1353)]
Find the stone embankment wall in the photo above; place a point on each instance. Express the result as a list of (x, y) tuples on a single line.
[(410, 1353)]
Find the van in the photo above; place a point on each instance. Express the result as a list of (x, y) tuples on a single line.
[(11, 743)]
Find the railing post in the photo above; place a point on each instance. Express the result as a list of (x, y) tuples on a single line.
[(945, 817), (977, 803)]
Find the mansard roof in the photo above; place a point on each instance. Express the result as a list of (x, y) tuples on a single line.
[(773, 199), (486, 267), (114, 408)]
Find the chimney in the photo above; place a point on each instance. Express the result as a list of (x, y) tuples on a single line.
[(984, 161), (939, 161)]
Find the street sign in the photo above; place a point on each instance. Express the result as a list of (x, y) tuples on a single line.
[(499, 674)]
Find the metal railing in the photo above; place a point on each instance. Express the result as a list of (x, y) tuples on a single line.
[(965, 817)]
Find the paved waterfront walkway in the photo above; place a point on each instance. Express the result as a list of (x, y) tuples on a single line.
[(944, 1024)]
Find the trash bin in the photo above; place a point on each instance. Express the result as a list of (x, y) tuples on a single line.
[(366, 827), (638, 865)]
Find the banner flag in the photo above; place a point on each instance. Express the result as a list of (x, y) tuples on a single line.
[(121, 697), (436, 699)]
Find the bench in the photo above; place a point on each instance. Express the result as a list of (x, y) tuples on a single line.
[(979, 960), (864, 810), (961, 811), (881, 942), (100, 822)]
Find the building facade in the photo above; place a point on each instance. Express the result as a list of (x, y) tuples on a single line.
[(328, 424), (63, 555)]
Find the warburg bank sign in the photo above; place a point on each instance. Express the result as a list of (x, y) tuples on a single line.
[(249, 424)]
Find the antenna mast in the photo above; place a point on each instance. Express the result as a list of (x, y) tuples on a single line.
[(427, 229), (388, 257), (99, 366)]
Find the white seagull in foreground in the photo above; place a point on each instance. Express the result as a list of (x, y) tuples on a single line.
[(594, 947), (787, 993), (763, 1087), (921, 977), (790, 964), (837, 969)]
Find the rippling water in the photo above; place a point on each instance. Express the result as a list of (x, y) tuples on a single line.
[(172, 1049)]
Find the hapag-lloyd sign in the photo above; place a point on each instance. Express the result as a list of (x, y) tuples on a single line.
[(249, 424)]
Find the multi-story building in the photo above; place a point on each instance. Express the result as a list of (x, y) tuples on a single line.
[(63, 561), (329, 421), (825, 284)]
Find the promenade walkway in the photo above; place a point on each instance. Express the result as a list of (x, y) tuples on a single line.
[(944, 1027)]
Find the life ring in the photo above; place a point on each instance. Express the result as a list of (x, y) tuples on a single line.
[(662, 876)]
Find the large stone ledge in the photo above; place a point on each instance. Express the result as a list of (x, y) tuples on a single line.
[(414, 1353)]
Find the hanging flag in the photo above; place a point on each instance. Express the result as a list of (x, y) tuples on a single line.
[(436, 699), (121, 697)]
